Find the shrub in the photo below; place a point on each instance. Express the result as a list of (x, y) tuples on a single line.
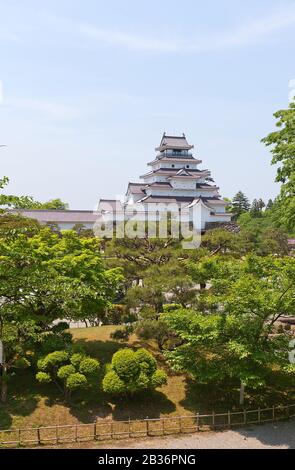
[(132, 372), (68, 372), (65, 371), (43, 377), (54, 359), (89, 366), (126, 365), (76, 359), (76, 381), (159, 378), (148, 363), (113, 384), (122, 334)]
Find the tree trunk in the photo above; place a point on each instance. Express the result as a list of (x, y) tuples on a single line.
[(4, 377), (242, 393)]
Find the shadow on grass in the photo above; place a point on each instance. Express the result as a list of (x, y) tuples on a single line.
[(205, 398), (144, 405), (101, 350), (22, 400)]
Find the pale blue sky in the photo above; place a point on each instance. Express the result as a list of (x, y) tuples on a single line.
[(89, 87)]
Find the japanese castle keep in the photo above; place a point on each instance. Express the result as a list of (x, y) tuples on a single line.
[(174, 183)]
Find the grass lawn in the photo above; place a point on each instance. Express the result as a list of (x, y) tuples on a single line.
[(33, 404)]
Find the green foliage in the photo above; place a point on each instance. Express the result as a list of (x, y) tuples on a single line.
[(235, 337), (54, 359), (122, 334), (159, 378), (76, 381), (171, 307), (126, 365), (65, 371), (156, 329), (68, 371), (22, 363), (240, 203), (76, 359), (112, 384), (282, 144), (89, 366), (43, 377), (132, 372)]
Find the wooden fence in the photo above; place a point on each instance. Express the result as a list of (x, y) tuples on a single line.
[(103, 430)]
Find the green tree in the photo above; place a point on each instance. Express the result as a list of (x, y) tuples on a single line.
[(235, 337), (240, 203), (282, 144), (47, 276), (132, 372), (69, 372)]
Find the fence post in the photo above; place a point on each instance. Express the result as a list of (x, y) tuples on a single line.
[(180, 425), (112, 431), (245, 416), (213, 419), (38, 436), (288, 412), (273, 413), (56, 434), (147, 428), (163, 427), (94, 431), (198, 422), (129, 427), (229, 419), (76, 433), (19, 439), (259, 415)]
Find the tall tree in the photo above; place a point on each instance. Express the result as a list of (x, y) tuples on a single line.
[(282, 144), (235, 337), (240, 203)]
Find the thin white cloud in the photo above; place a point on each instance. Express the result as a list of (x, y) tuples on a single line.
[(129, 41), (51, 110), (246, 34)]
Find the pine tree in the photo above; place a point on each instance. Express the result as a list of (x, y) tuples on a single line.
[(261, 204), (269, 205), (255, 209), (240, 203)]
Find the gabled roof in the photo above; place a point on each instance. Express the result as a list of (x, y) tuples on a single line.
[(135, 188), (174, 142), (109, 205)]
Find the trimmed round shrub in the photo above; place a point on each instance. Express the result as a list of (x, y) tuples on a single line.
[(76, 359), (158, 378), (22, 363), (65, 371), (126, 365), (76, 381), (41, 364), (89, 366), (54, 359), (113, 384), (148, 363), (43, 377)]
